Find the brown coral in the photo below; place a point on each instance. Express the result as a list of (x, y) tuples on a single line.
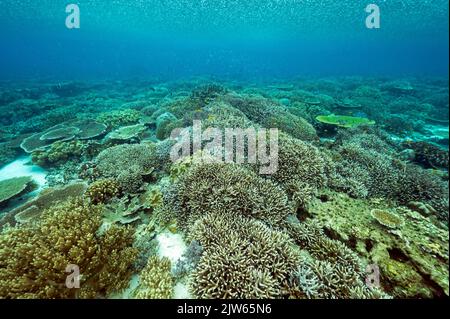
[(34, 257)]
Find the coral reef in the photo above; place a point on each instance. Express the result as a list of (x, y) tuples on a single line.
[(126, 133), (47, 197), (58, 153), (128, 164), (413, 260)]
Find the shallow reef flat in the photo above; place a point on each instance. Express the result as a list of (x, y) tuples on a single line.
[(356, 208)]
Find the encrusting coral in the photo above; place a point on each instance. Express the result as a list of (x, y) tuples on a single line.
[(34, 258), (329, 269)]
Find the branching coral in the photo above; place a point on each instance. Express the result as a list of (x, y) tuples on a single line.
[(156, 281), (34, 257), (119, 118), (301, 168), (272, 115), (58, 153), (243, 258), (227, 189), (102, 190)]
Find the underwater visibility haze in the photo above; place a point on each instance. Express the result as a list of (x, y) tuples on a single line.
[(240, 149)]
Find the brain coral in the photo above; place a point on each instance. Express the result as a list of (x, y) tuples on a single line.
[(34, 257), (227, 189), (243, 258)]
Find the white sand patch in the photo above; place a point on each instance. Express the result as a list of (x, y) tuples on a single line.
[(181, 291), (171, 246), (19, 168)]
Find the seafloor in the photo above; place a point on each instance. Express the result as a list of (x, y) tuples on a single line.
[(358, 207)]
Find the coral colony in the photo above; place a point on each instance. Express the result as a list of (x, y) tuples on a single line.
[(176, 185)]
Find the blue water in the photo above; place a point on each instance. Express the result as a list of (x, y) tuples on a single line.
[(237, 38)]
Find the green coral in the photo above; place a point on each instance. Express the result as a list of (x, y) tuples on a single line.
[(118, 118), (14, 187), (344, 121)]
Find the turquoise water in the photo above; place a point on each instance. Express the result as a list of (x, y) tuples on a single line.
[(219, 37)]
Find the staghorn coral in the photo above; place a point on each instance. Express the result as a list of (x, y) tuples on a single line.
[(329, 269), (34, 257), (99, 192), (243, 258), (156, 281), (226, 189)]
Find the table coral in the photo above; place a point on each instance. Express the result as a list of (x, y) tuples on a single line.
[(13, 187)]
